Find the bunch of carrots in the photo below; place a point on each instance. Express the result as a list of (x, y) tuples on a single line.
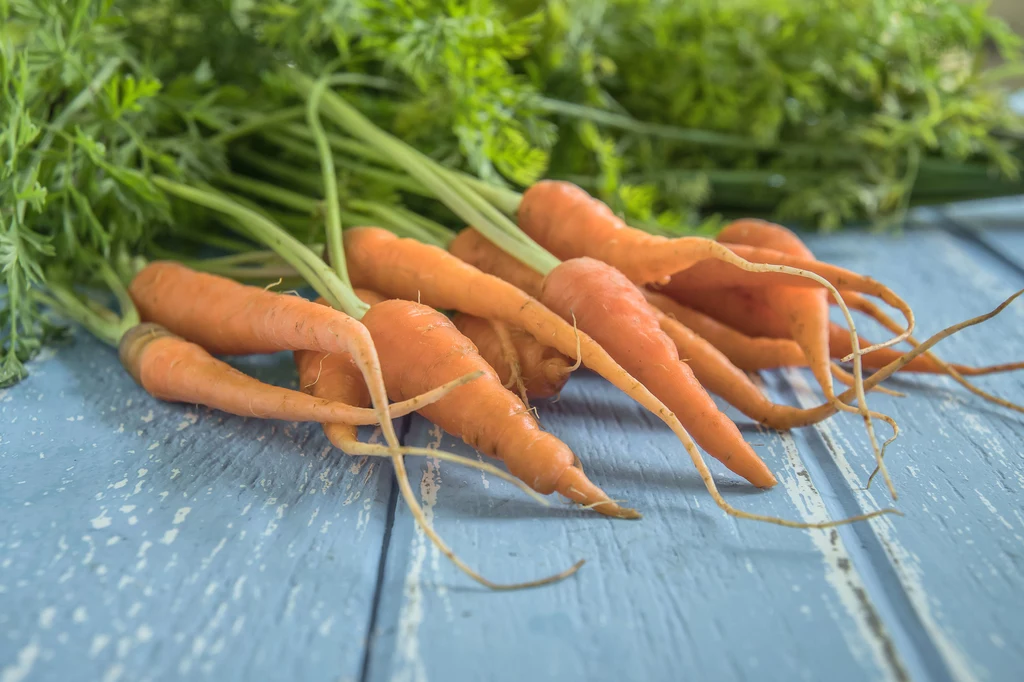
[(538, 286)]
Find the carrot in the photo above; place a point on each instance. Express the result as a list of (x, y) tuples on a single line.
[(719, 436), (710, 366), (334, 376), (517, 357), (228, 318), (557, 214), (472, 247), (484, 414), (171, 368), (449, 283), (806, 315), (352, 302)]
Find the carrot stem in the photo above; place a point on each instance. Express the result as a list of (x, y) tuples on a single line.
[(281, 196), (68, 305), (254, 224), (461, 199), (256, 123), (335, 247)]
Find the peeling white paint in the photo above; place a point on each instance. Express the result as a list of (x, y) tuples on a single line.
[(47, 616), (101, 521), (845, 583), (411, 666), (113, 673), (906, 565), (22, 666), (169, 536), (99, 643), (238, 590), (180, 515)]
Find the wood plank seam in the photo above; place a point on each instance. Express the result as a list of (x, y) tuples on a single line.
[(918, 655), (972, 235), (378, 587)]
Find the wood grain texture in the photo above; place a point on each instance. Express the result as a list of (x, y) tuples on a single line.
[(688, 592), (149, 541)]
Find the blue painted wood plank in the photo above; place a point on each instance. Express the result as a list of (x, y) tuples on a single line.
[(687, 591), (996, 224), (148, 541), (684, 589), (960, 461)]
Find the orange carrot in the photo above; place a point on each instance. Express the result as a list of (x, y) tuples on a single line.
[(381, 261), (472, 247), (521, 359), (804, 310), (228, 318), (570, 223), (170, 368), (712, 368), (335, 376), (749, 353), (737, 323), (484, 414)]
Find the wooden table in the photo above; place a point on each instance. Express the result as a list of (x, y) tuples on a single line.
[(148, 541)]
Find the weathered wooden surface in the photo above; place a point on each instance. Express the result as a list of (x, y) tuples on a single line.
[(289, 556), (147, 541)]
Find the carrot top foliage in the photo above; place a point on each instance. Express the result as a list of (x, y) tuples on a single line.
[(820, 112)]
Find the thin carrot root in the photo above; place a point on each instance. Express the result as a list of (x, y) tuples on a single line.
[(359, 448), (428, 530), (848, 379), (885, 445), (709, 484), (928, 343), (956, 372), (416, 403)]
